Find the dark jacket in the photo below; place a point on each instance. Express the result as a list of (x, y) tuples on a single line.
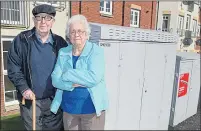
[(18, 64)]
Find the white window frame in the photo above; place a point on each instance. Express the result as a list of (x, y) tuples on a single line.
[(20, 11), (104, 8), (198, 30), (5, 73), (188, 22), (180, 22), (194, 26), (132, 24), (168, 24)]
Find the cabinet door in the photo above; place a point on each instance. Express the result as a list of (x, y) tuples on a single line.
[(154, 74), (131, 79), (111, 51), (194, 90), (168, 84), (182, 99)]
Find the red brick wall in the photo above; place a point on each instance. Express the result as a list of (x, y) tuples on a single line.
[(74, 8), (146, 14), (92, 12), (6, 113), (1, 86), (199, 16)]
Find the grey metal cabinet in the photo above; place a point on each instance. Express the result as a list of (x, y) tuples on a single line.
[(186, 87), (139, 76), (139, 81)]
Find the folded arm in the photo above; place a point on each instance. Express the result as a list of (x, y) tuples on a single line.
[(57, 79), (88, 77)]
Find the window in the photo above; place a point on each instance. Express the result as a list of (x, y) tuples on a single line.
[(180, 22), (135, 18), (10, 91), (10, 11), (106, 7), (188, 21), (166, 22), (194, 27), (180, 25), (198, 30), (181, 5), (14, 13)]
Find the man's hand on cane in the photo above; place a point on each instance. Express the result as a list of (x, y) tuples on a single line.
[(29, 95)]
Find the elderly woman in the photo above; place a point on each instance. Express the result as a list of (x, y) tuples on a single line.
[(79, 79)]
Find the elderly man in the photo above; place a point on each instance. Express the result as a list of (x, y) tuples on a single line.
[(31, 60)]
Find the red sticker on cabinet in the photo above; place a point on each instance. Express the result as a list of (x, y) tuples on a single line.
[(183, 84)]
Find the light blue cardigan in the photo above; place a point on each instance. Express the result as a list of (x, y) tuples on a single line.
[(89, 72)]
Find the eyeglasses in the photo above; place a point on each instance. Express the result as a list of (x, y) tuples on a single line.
[(79, 32), (46, 17)]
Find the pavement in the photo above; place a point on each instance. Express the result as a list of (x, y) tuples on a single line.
[(192, 123)]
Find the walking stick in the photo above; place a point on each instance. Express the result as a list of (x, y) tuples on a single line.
[(33, 111)]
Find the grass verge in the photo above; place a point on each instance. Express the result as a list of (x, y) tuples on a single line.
[(11, 122)]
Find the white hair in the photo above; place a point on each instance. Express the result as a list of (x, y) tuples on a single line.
[(78, 18)]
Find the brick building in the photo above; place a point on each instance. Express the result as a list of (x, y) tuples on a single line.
[(131, 13)]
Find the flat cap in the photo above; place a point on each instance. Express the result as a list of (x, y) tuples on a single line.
[(44, 9)]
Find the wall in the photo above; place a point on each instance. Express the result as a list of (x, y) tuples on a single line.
[(146, 14), (165, 7), (92, 12)]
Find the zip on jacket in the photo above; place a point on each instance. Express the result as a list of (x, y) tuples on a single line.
[(28, 59)]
